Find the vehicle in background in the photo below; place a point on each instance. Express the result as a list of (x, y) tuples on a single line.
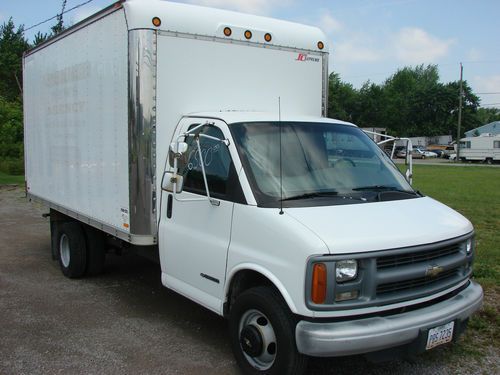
[(484, 148), (439, 153), (422, 153), (416, 153), (448, 151)]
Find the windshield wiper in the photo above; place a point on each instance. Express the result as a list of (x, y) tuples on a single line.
[(316, 194), (383, 188)]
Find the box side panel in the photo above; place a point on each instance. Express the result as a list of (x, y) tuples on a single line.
[(75, 97), (203, 74)]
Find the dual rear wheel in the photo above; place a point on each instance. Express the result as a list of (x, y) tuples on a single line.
[(79, 249)]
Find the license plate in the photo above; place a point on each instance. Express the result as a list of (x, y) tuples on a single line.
[(440, 335)]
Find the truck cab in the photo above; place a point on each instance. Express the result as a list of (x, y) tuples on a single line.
[(297, 214)]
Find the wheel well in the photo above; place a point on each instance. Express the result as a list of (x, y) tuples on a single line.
[(244, 280)]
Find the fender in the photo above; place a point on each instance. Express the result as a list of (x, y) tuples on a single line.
[(264, 272)]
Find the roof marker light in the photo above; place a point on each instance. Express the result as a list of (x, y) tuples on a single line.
[(156, 21), (227, 31), (321, 45), (248, 34), (268, 37)]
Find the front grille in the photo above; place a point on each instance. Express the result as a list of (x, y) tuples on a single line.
[(403, 275), (400, 286), (416, 257)]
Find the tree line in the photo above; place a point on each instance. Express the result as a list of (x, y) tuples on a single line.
[(412, 102)]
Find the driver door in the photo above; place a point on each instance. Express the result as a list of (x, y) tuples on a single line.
[(194, 233)]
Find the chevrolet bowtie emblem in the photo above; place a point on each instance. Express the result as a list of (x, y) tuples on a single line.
[(433, 271)]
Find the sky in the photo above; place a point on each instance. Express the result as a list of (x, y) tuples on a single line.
[(369, 39)]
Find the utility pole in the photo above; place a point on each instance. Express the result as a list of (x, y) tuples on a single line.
[(459, 113)]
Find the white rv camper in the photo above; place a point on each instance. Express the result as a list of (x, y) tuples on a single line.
[(484, 148)]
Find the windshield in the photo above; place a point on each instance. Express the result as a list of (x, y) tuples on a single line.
[(321, 164)]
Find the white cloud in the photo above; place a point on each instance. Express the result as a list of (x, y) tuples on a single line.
[(246, 6), (474, 54), (416, 46), (487, 84), (354, 51), (329, 24)]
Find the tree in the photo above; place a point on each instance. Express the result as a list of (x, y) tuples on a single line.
[(342, 99), (59, 26), (40, 38), (12, 46), (487, 115)]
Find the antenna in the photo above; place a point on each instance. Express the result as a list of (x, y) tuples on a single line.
[(281, 165)]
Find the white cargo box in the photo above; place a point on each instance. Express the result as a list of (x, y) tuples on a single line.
[(103, 98)]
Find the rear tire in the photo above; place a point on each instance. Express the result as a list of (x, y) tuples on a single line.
[(262, 331), (96, 250), (72, 251)]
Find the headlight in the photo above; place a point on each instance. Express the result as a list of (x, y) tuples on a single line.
[(346, 270), (468, 246)]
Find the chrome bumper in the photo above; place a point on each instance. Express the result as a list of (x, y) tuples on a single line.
[(378, 333)]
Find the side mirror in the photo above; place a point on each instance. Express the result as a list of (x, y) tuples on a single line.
[(178, 147), (169, 179)]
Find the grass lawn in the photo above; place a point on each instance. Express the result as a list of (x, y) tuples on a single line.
[(6, 179), (474, 192)]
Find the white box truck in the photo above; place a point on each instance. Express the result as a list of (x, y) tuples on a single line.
[(484, 148), (201, 136)]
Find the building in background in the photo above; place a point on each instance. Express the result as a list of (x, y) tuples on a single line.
[(492, 128)]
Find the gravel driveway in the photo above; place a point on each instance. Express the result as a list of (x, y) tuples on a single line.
[(126, 322)]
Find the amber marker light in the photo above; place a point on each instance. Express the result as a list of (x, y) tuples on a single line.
[(321, 45), (268, 37), (248, 34), (156, 21), (318, 290), (227, 31)]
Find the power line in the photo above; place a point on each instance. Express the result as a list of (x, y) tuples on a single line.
[(487, 93), (57, 15), (484, 105)]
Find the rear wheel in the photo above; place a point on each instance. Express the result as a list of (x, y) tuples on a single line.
[(262, 330), (96, 250), (489, 161), (72, 252)]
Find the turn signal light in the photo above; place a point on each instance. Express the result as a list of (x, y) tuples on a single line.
[(156, 21), (318, 291)]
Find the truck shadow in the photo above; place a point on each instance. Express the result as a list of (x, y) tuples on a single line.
[(136, 282)]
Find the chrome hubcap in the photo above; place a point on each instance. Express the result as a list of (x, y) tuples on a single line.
[(257, 339), (64, 250)]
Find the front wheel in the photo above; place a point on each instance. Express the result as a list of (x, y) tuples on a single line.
[(262, 330)]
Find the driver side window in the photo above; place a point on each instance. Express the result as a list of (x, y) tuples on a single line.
[(216, 159)]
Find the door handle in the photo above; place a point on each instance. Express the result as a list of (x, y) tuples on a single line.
[(170, 202)]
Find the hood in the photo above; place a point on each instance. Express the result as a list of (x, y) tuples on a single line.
[(375, 226)]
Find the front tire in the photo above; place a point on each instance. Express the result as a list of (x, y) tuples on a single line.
[(72, 251), (262, 331)]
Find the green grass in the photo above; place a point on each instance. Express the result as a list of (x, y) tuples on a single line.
[(6, 179), (474, 192)]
